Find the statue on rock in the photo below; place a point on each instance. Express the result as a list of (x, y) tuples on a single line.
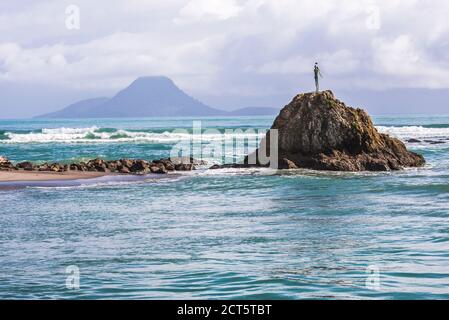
[(317, 72)]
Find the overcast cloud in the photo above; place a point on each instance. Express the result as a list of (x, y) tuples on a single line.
[(229, 53)]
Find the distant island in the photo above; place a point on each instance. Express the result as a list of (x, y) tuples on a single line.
[(154, 96)]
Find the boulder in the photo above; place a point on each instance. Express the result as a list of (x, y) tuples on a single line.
[(124, 170), (97, 165), (240, 165), (5, 164), (158, 168), (43, 167), (184, 167), (26, 165), (317, 131), (168, 164), (114, 165), (101, 168), (82, 166), (284, 163), (434, 141), (187, 160), (139, 166), (56, 167), (127, 163), (74, 167)]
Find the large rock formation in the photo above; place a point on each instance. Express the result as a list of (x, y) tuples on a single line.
[(317, 131)]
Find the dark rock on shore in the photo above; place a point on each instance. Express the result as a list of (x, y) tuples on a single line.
[(5, 164), (56, 167), (97, 165), (187, 160), (234, 166), (284, 163), (123, 166), (43, 167), (25, 166), (317, 131), (158, 168), (138, 166), (434, 141)]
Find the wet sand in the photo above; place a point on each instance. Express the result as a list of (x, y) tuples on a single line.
[(10, 176), (11, 180)]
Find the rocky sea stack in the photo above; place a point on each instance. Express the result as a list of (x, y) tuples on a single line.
[(317, 131)]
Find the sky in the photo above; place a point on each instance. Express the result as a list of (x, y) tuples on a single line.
[(227, 53)]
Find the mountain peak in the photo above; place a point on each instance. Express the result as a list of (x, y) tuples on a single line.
[(153, 84), (153, 80), (149, 96)]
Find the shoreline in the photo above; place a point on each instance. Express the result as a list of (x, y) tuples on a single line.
[(17, 180), (28, 174), (32, 176)]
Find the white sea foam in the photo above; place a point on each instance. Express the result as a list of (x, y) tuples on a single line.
[(66, 131), (416, 132), (95, 135)]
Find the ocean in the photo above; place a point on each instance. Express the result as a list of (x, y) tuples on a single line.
[(221, 234)]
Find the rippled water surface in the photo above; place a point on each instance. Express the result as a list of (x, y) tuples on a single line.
[(222, 233)]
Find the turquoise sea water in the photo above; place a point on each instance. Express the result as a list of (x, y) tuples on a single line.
[(247, 233)]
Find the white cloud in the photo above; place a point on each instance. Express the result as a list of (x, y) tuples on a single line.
[(228, 46), (208, 10), (405, 63), (337, 63), (109, 62)]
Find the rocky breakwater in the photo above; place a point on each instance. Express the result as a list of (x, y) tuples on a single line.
[(122, 166), (317, 131)]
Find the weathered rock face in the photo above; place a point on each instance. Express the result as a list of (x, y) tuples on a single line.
[(317, 131)]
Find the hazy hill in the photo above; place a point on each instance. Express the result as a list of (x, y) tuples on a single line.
[(254, 111), (80, 109), (145, 97)]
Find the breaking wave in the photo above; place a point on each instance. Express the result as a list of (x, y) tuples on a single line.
[(417, 132), (108, 135)]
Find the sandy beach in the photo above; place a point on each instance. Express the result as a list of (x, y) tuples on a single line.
[(9, 176)]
